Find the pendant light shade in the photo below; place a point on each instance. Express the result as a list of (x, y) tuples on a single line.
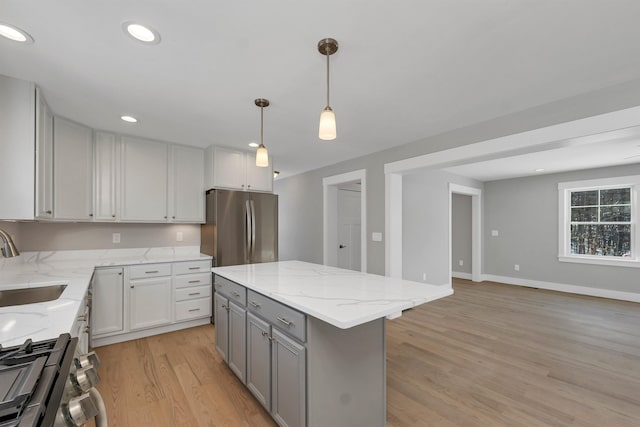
[(327, 128), (262, 155)]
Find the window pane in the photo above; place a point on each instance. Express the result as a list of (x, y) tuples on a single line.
[(613, 213), (616, 196), (584, 214), (584, 198), (601, 240)]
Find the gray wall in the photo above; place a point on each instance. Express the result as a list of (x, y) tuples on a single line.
[(425, 224), (525, 212), (461, 233), (300, 209), (47, 236)]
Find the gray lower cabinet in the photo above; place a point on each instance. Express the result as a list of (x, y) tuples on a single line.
[(288, 381), (259, 359), (238, 341), (222, 325)]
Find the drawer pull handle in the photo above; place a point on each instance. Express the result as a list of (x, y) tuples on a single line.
[(194, 268), (194, 309), (194, 281), (285, 321), (235, 294), (151, 272), (194, 293), (255, 304)]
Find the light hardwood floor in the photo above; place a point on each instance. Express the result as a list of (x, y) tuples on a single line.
[(490, 355)]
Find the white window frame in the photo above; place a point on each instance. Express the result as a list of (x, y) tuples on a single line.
[(564, 225)]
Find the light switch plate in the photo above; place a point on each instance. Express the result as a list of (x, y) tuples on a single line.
[(495, 233), (179, 236), (376, 236), (115, 237)]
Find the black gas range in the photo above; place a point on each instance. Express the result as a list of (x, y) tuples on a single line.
[(44, 384)]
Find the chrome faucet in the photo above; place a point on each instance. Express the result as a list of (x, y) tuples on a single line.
[(8, 247)]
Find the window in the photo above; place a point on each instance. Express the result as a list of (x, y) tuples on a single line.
[(598, 221)]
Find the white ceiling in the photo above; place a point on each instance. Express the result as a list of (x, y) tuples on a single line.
[(404, 71)]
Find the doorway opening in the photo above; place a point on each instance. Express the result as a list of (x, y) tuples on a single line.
[(474, 233), (345, 220)]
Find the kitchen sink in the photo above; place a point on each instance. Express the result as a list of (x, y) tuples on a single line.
[(30, 295)]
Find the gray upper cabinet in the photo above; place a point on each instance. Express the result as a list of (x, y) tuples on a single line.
[(72, 171)]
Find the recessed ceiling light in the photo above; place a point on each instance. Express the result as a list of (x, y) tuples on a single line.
[(15, 34), (142, 33), (253, 145), (540, 170), (129, 119)]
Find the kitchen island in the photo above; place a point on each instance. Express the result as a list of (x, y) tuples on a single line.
[(315, 337)]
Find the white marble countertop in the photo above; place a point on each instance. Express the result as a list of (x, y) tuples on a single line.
[(73, 268), (343, 298)]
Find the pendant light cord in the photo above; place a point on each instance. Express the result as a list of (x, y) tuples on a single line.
[(261, 125), (328, 55)]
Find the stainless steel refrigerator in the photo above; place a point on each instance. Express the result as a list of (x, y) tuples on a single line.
[(241, 227)]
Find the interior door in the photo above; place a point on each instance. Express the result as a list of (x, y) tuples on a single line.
[(230, 227), (265, 219), (349, 243)]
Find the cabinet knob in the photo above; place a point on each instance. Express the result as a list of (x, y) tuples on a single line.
[(113, 215), (49, 212), (248, 185), (165, 217), (132, 287), (90, 214), (173, 217)]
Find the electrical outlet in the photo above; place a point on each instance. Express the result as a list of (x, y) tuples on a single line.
[(424, 276), (115, 237), (376, 236), (460, 263), (179, 236), (516, 267), (495, 233)]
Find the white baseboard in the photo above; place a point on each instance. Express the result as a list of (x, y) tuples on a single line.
[(460, 275), (561, 287)]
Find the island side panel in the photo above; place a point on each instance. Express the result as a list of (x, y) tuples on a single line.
[(346, 374)]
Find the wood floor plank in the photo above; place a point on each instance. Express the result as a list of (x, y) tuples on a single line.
[(489, 355)]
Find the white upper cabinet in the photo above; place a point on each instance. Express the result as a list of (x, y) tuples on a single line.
[(72, 171), (106, 176), (236, 169), (44, 159), (186, 184), (144, 180), (258, 178), (17, 148)]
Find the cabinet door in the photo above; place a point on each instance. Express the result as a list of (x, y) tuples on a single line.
[(144, 180), (186, 176), (228, 168), (44, 159), (238, 341), (258, 178), (221, 314), (150, 302), (107, 311), (288, 381), (259, 359), (72, 170), (106, 154)]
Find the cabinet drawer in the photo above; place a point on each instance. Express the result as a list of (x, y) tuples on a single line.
[(195, 292), (231, 290), (149, 270), (188, 267), (192, 309), (192, 280), (282, 317)]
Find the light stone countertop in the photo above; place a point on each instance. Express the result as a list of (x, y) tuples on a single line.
[(47, 320), (342, 298)]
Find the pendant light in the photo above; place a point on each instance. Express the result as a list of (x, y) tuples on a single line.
[(327, 129), (262, 155)]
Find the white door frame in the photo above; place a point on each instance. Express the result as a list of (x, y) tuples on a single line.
[(531, 141), (330, 216), (476, 228)]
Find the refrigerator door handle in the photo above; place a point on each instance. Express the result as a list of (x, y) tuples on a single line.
[(248, 230), (253, 230)]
